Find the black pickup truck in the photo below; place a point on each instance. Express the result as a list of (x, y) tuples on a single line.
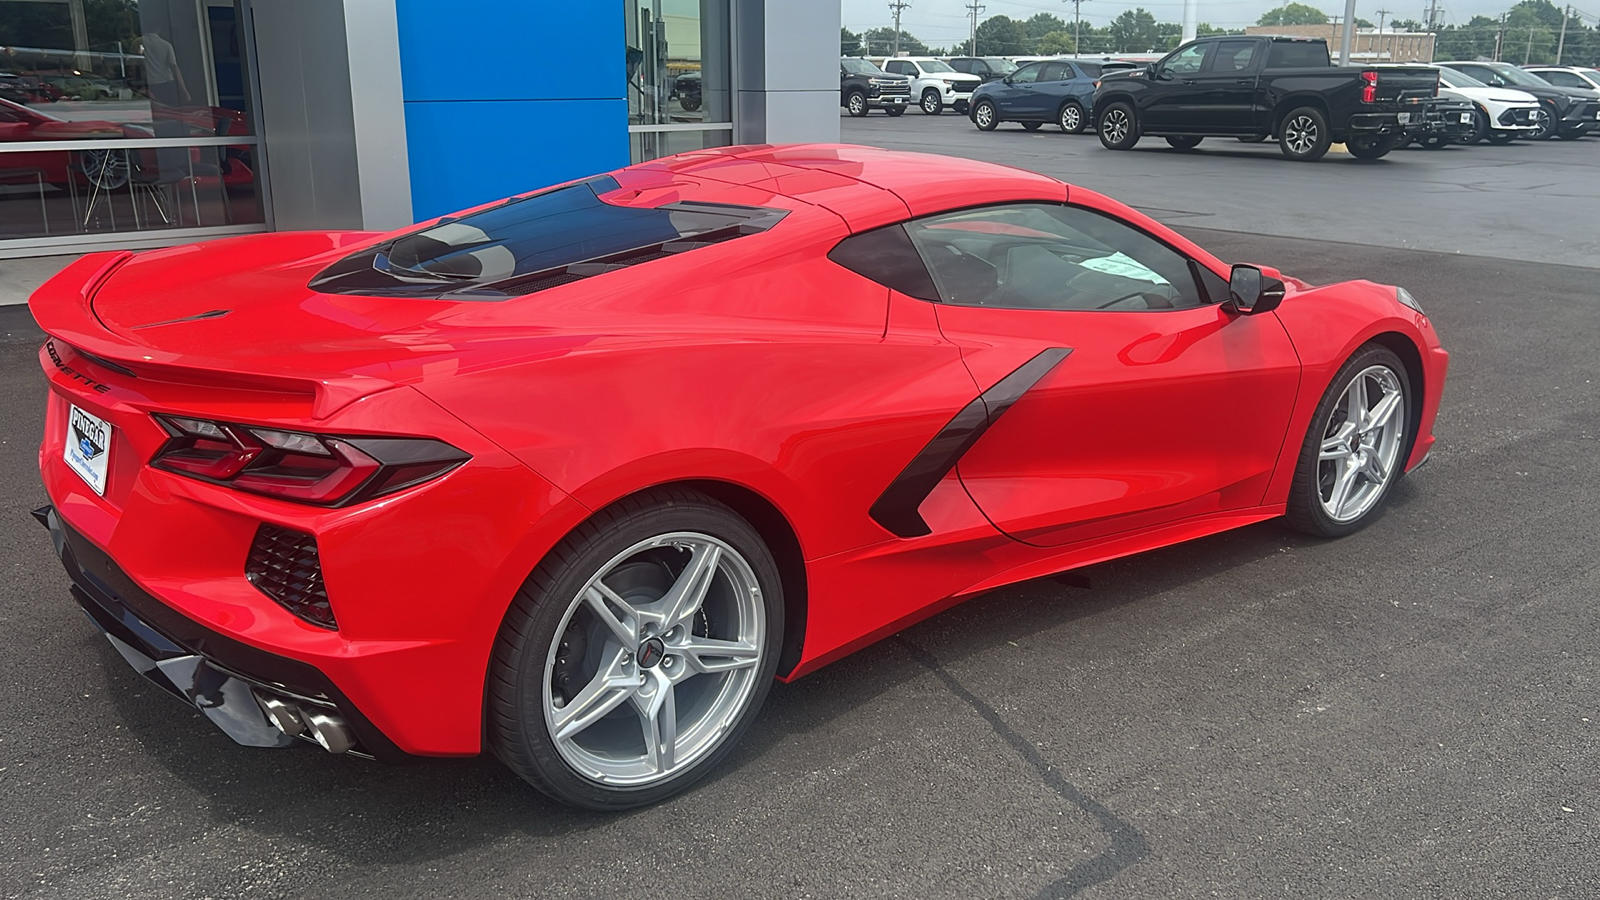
[(1255, 87)]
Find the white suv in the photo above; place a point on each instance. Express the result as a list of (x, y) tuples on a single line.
[(1503, 114), (934, 85)]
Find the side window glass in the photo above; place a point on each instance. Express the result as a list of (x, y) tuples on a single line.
[(887, 256), (1564, 79), (1187, 61), (1233, 56), (1046, 256), (1027, 74)]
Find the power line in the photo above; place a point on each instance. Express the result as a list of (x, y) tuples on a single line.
[(1077, 23), (974, 7)]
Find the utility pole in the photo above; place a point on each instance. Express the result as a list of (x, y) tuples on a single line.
[(974, 7), (1191, 20), (1382, 14), (1499, 37), (1077, 24), (1561, 44), (897, 7), (1433, 15), (1528, 52)]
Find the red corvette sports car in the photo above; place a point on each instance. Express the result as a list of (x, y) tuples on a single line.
[(572, 476)]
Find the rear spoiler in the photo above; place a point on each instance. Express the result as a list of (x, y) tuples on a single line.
[(64, 309)]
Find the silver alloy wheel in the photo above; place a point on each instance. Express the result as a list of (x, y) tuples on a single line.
[(656, 660), (1070, 117), (104, 169), (1361, 446), (1300, 134), (984, 114), (1545, 123), (931, 104), (1116, 125), (858, 103)]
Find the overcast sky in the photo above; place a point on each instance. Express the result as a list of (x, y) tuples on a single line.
[(943, 22)]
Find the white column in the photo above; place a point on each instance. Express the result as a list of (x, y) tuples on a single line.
[(786, 54)]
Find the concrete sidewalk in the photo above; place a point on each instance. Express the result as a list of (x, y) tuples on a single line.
[(21, 277)]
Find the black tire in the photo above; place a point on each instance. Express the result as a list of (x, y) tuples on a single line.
[(1373, 146), (1502, 138), (1118, 127), (931, 103), (895, 112), (1480, 128), (1545, 122), (1305, 511), (1304, 135), (1071, 118), (1031, 126), (855, 103), (527, 644), (1184, 143), (1572, 134), (985, 116), (1254, 139), (1434, 143), (689, 104)]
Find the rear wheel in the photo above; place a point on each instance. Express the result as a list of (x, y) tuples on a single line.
[(1356, 445), (931, 104), (1031, 126), (637, 653), (856, 104), (1070, 119), (1480, 128), (1184, 143), (985, 116), (1373, 146), (1304, 136), (1118, 128)]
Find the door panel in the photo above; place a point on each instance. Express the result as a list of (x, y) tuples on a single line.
[(1153, 417), (1167, 105)]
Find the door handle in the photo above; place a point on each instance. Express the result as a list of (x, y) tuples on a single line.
[(1189, 81), (1244, 81)]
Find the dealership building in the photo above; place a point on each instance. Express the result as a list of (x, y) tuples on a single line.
[(131, 125)]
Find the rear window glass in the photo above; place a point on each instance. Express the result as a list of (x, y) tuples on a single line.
[(535, 242), (1090, 69), (1297, 55)]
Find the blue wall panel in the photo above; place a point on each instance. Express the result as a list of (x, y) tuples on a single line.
[(466, 153), (506, 96)]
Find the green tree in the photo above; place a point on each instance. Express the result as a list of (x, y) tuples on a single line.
[(1054, 43), (1002, 36), (1363, 23), (1134, 31), (1405, 25), (1293, 14), (880, 42), (849, 43), (1040, 24)]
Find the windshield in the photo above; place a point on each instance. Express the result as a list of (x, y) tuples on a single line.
[(1002, 66), (1452, 79), (860, 67), (1517, 76), (934, 65)]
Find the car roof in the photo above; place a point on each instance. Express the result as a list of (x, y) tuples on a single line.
[(866, 186)]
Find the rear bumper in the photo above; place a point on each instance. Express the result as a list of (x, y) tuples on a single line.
[(221, 677), (1375, 123)]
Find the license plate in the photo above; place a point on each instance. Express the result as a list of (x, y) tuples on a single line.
[(1464, 118), (88, 447), (1405, 118)]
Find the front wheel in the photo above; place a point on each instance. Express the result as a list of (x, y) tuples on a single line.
[(637, 653), (1118, 128), (1480, 128), (931, 104), (1373, 146), (1071, 118), (1184, 143), (1356, 446), (984, 116), (1305, 136), (856, 104), (1544, 124)]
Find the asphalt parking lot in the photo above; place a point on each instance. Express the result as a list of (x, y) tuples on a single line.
[(1408, 712)]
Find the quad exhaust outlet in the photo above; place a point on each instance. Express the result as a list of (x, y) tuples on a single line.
[(327, 728)]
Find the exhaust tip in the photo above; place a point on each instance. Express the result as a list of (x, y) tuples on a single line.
[(42, 515), (330, 731), (283, 715)]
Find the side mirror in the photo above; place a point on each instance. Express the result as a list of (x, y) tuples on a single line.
[(1006, 79), (1156, 73), (1251, 291)]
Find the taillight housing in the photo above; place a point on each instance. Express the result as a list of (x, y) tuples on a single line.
[(316, 469), (1369, 86)]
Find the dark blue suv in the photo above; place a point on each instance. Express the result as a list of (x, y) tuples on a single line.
[(1051, 90)]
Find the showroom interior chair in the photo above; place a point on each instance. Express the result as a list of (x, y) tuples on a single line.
[(24, 175)]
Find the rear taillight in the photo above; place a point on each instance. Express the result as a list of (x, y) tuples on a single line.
[(294, 465), (1369, 89)]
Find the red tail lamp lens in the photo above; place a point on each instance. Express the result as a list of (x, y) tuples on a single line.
[(1369, 90), (305, 468)]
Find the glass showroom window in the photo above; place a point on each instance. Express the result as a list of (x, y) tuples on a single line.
[(123, 120), (680, 76)]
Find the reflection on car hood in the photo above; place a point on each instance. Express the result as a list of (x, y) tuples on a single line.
[(1491, 94)]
